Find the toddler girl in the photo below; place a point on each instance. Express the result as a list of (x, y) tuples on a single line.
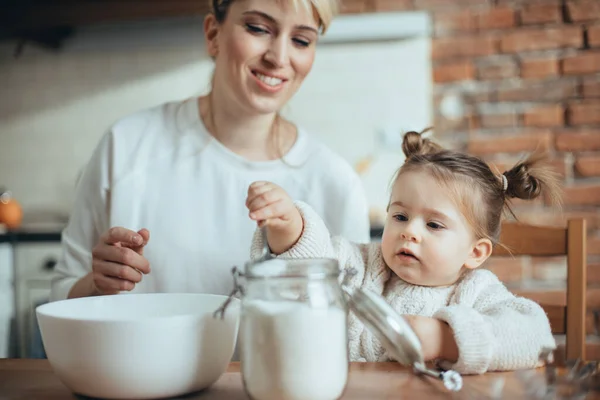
[(443, 220)]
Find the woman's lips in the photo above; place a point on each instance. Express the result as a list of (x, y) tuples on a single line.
[(267, 82)]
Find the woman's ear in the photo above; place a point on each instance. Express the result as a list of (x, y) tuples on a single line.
[(481, 251), (211, 33)]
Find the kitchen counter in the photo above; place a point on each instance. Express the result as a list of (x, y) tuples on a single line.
[(28, 237), (54, 235), (34, 379), (27, 259), (33, 232)]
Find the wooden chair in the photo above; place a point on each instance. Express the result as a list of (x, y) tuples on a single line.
[(524, 239)]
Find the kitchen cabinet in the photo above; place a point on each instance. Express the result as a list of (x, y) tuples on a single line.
[(33, 271), (39, 14), (6, 297), (49, 22)]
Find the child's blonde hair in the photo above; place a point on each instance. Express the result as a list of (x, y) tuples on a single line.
[(480, 194)]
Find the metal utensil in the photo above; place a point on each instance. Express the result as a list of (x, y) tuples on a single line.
[(574, 367), (266, 253), (265, 256), (452, 379), (546, 357), (587, 370), (220, 312), (574, 384)]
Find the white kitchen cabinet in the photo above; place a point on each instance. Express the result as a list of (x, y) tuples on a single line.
[(34, 270), (6, 297)]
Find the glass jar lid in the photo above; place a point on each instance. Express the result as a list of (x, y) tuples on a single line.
[(392, 330), (395, 334)]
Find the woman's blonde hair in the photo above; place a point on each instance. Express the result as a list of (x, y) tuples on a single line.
[(325, 9)]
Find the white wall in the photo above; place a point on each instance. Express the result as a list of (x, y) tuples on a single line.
[(54, 106), (361, 97)]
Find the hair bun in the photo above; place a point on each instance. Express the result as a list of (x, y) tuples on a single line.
[(414, 144), (521, 184), (528, 179)]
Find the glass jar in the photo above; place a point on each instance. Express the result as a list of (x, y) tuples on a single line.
[(293, 330)]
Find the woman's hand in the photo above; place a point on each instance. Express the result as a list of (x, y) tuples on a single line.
[(118, 260), (436, 336), (273, 208)]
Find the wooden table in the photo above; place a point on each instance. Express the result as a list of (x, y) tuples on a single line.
[(34, 379)]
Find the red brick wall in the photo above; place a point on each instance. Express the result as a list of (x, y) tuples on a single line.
[(528, 72)]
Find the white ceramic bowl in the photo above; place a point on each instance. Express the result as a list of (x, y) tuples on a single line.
[(138, 346)]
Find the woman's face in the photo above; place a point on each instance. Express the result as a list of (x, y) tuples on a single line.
[(263, 51)]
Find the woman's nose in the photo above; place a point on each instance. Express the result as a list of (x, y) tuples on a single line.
[(277, 53)]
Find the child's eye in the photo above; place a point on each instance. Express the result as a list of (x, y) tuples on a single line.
[(435, 225), (400, 217), (255, 29)]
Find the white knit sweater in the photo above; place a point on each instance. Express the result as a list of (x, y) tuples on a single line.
[(494, 330)]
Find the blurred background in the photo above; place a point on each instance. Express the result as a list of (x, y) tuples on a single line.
[(496, 78)]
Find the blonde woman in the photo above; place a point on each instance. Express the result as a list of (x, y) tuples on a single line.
[(160, 206)]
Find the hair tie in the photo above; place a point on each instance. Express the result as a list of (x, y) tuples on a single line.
[(504, 182)]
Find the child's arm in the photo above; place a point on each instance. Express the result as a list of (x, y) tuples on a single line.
[(493, 329), (309, 238), (270, 206), (314, 240)]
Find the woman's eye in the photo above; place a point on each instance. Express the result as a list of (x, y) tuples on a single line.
[(435, 225), (400, 217), (255, 29), (302, 42)]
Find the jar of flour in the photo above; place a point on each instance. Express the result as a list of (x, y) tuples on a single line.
[(293, 330)]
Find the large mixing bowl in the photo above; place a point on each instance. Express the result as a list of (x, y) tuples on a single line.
[(138, 346)]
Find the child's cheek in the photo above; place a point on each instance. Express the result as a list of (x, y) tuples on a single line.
[(387, 247)]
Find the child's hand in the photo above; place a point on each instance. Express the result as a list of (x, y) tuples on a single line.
[(272, 207), (436, 336)]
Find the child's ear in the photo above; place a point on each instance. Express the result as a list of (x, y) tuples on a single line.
[(480, 252)]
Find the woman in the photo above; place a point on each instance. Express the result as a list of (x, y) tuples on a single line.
[(162, 196)]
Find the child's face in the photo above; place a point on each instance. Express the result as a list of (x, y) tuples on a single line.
[(424, 221)]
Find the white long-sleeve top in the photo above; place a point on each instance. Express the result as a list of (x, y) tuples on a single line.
[(494, 329), (160, 169)]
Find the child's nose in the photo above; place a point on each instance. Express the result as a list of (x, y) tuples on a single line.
[(410, 234), (407, 236)]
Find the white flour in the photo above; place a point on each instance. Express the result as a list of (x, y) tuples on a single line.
[(293, 352)]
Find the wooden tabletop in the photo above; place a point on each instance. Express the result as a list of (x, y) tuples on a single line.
[(34, 379)]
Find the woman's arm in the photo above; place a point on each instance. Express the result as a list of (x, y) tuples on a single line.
[(88, 219), (96, 259)]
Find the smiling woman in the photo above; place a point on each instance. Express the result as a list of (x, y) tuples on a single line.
[(263, 51), (159, 207)]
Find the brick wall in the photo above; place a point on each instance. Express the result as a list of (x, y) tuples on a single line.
[(528, 74)]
